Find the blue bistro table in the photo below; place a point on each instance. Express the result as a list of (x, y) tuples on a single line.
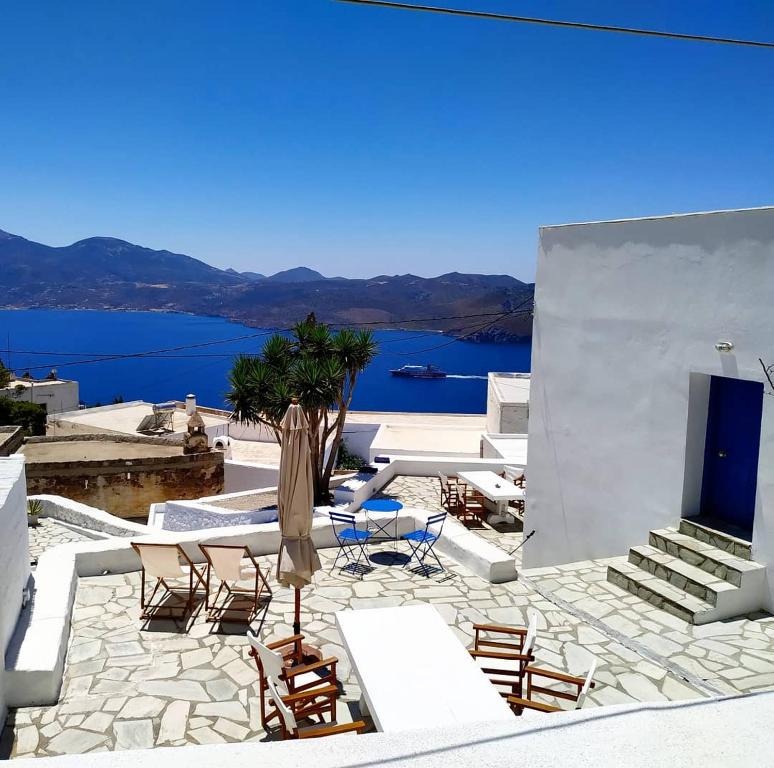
[(380, 525)]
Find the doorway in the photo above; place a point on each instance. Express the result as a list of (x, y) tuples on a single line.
[(732, 444)]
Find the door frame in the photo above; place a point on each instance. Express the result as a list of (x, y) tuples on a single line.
[(696, 434)]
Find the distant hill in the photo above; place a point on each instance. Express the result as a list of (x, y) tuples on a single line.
[(248, 275), (295, 275), (106, 273)]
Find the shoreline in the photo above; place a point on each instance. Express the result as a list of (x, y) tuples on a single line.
[(249, 324)]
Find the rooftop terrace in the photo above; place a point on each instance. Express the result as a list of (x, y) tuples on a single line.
[(129, 688)]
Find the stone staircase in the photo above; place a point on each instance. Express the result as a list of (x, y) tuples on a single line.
[(695, 573)]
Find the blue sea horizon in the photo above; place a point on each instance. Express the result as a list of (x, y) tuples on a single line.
[(39, 339)]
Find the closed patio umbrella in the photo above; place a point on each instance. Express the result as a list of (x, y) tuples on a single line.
[(298, 558)]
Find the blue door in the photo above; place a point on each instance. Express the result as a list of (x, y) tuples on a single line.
[(731, 451)]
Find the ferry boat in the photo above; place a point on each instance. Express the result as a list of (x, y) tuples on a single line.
[(419, 372)]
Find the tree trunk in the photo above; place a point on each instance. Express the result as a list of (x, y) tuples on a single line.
[(340, 420)]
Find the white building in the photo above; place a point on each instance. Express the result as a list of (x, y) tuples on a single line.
[(507, 403), (650, 402), (56, 394), (126, 418)]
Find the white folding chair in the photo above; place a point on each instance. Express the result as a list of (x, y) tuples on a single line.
[(171, 568), (224, 561)]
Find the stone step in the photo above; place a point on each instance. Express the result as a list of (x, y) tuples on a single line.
[(660, 593), (694, 581), (700, 554), (723, 541)]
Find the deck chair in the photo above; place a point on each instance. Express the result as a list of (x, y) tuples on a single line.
[(352, 543), (289, 715), (422, 543), (316, 680), (582, 686), (225, 562), (168, 563), (506, 663)]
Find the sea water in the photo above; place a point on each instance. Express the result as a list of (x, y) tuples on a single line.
[(76, 343)]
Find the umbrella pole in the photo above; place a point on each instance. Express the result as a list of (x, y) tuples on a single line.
[(309, 653)]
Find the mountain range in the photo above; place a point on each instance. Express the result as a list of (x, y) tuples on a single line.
[(107, 273)]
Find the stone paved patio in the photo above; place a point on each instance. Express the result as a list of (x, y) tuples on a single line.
[(423, 492), (732, 656), (126, 688), (50, 533)]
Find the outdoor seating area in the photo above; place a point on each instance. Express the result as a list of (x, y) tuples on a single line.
[(475, 496), (231, 653), (126, 686)]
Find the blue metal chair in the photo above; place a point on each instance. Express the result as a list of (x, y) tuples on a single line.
[(422, 543), (350, 540)]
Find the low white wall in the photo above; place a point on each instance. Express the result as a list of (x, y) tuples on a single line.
[(509, 447), (257, 433), (732, 732), (197, 515), (359, 437), (246, 475), (14, 556), (90, 518)]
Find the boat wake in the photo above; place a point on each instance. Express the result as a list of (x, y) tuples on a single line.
[(460, 376)]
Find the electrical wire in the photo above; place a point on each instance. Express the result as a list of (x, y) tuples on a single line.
[(564, 24), (163, 354)]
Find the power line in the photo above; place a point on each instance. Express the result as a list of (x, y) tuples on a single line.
[(564, 24), (510, 313), (163, 354), (151, 353)]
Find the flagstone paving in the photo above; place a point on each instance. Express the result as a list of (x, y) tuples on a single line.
[(50, 533), (127, 688), (733, 656), (424, 492)]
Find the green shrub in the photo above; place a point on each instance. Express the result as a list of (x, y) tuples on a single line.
[(29, 416), (347, 460)]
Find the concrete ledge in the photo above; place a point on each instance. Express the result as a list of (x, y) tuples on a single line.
[(84, 516), (732, 732), (34, 660), (476, 553)]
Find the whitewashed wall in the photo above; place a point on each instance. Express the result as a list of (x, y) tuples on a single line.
[(625, 313), (246, 475), (14, 554), (57, 396)]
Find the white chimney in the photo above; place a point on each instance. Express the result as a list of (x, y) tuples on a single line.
[(190, 405)]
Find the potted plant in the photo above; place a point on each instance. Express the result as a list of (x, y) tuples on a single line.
[(34, 511)]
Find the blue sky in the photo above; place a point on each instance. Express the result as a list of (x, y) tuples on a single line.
[(359, 141)]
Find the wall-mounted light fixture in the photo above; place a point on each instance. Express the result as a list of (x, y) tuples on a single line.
[(724, 346)]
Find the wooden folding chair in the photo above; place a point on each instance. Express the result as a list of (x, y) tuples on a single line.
[(225, 562), (450, 492), (582, 686), (506, 662), (166, 563), (472, 508), (292, 708), (315, 681)]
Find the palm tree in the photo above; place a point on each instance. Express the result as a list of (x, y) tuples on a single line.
[(317, 367)]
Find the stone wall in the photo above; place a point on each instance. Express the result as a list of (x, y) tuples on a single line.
[(127, 487)]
